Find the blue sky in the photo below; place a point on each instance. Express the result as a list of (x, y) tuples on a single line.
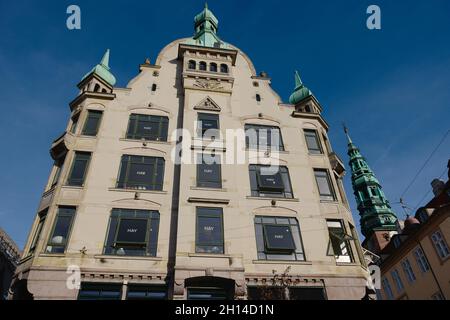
[(390, 86)]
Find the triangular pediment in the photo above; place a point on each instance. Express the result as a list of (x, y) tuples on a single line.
[(207, 104)]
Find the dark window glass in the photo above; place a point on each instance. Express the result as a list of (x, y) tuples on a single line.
[(278, 238), (73, 128), (37, 234), (60, 233), (258, 98), (132, 233), (208, 125), (202, 65), (79, 168), (213, 67), (209, 237), (148, 127), (266, 293), (209, 173), (100, 291), (59, 165), (154, 87), (207, 294), (92, 123), (266, 181), (312, 142), (263, 137), (143, 292), (142, 173), (192, 65), (223, 68), (339, 244), (307, 294), (323, 180)]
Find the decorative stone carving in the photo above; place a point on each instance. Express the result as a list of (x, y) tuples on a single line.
[(207, 104), (208, 84)]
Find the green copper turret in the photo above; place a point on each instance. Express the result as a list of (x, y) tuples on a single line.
[(374, 209), (206, 25)]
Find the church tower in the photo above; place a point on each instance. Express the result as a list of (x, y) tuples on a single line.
[(378, 221)]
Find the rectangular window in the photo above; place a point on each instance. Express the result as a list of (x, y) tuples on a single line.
[(324, 185), (209, 173), (263, 137), (132, 233), (313, 142), (148, 127), (58, 168), (270, 181), (74, 125), (37, 233), (387, 289), (146, 292), (79, 168), (406, 265), (92, 123), (208, 125), (100, 291), (398, 281), (61, 229), (142, 173), (440, 245), (421, 260), (339, 244), (207, 294), (278, 238), (209, 235)]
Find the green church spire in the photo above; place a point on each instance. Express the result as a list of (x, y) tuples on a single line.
[(374, 209), (103, 70), (205, 26), (300, 91)]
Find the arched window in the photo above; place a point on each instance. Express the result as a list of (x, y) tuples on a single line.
[(307, 108), (97, 88), (104, 91), (192, 65), (213, 67), (202, 65), (223, 68)]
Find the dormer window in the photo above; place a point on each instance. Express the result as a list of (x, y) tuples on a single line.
[(192, 65), (213, 67), (223, 68), (202, 65)]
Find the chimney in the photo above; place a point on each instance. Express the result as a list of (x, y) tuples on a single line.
[(438, 186)]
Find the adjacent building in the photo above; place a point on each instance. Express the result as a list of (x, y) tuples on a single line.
[(147, 196), (413, 255), (9, 258)]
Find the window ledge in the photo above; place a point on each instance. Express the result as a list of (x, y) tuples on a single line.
[(273, 198), (113, 257), (72, 187), (298, 262), (146, 141), (208, 200), (316, 154), (52, 255), (209, 255), (137, 190), (265, 150), (329, 201), (209, 189), (347, 264)]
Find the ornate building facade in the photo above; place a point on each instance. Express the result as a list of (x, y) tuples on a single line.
[(142, 220)]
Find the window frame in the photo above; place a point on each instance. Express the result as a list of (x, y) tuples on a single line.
[(421, 260), (387, 289), (42, 217), (437, 245), (325, 197), (218, 214), (255, 170), (91, 116), (397, 280), (126, 184), (313, 151), (268, 129), (347, 243), (209, 117), (79, 182), (207, 183), (408, 270), (224, 66), (149, 249), (69, 230), (190, 64), (264, 253), (100, 287), (137, 118)]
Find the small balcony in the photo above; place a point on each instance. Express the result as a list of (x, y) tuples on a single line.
[(337, 164)]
